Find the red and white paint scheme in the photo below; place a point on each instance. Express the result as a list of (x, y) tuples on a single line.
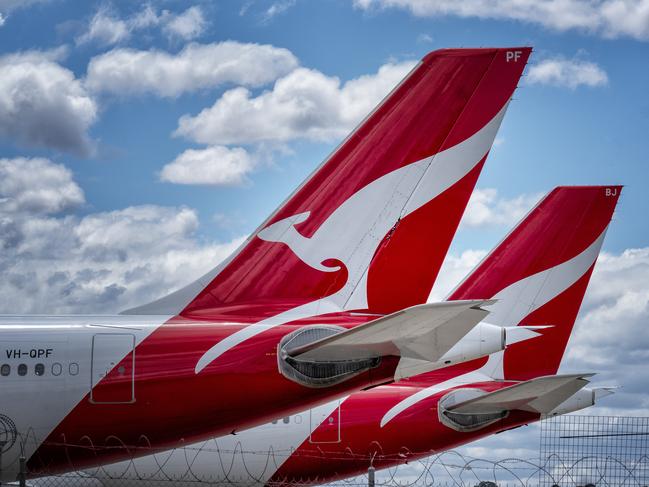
[(323, 300), (539, 273)]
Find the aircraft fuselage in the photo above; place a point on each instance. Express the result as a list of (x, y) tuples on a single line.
[(79, 391)]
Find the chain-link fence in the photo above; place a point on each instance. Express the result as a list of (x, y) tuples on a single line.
[(597, 450), (574, 451)]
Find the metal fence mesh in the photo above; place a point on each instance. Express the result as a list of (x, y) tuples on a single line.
[(573, 451), (597, 450)]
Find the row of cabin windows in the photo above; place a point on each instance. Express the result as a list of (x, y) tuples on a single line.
[(286, 420), (39, 369)]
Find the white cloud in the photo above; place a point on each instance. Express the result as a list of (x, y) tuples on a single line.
[(215, 165), (570, 73), (245, 7), (9, 5), (188, 25), (107, 28), (608, 18), (195, 67), (145, 18), (487, 208), (303, 104), (100, 263), (612, 328), (277, 8), (43, 104), (454, 269), (131, 228), (2, 20), (55, 55), (37, 186)]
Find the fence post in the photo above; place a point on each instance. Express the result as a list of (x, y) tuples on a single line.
[(22, 473), (2, 445), (370, 476)]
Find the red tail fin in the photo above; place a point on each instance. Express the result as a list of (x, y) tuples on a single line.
[(370, 227), (539, 274)]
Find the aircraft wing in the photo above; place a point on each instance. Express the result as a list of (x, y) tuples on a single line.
[(540, 395), (424, 332)]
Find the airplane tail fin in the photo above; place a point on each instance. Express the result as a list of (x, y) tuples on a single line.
[(538, 276), (368, 230)]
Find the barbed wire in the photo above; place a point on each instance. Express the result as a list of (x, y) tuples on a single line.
[(211, 463), (450, 468)]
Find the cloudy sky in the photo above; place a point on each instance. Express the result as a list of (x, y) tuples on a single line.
[(140, 143)]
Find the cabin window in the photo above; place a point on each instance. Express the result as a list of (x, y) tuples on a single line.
[(286, 419), (57, 368), (73, 368), (39, 369), (22, 369), (5, 370)]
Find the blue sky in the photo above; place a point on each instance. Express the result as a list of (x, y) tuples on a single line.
[(552, 135), (126, 172)]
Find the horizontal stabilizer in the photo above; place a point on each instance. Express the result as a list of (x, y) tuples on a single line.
[(601, 392), (540, 395), (424, 332), (584, 398)]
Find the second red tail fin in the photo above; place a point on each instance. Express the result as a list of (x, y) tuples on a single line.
[(539, 273)]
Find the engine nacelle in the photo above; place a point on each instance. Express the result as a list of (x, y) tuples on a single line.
[(313, 373), (484, 339), (582, 399), (465, 422)]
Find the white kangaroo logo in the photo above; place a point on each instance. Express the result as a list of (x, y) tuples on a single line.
[(353, 232), (284, 231)]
